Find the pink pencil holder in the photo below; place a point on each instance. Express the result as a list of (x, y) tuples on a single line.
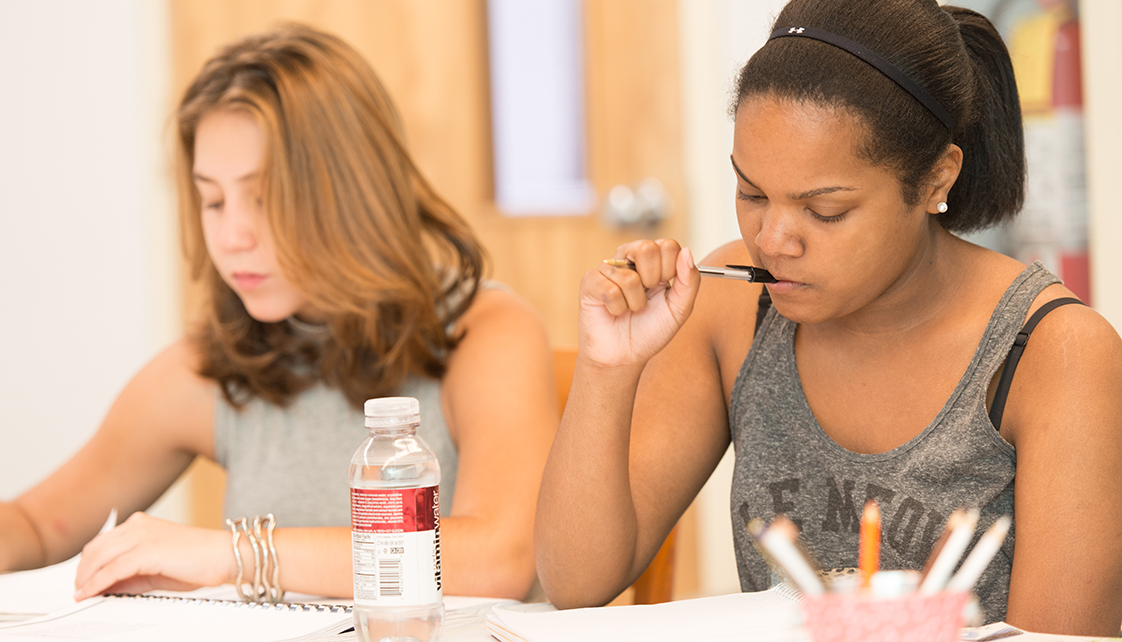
[(915, 618)]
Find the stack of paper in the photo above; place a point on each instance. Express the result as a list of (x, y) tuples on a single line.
[(761, 617)]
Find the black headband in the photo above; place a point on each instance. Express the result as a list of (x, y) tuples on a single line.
[(882, 65)]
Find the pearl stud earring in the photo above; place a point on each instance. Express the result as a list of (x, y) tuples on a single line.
[(942, 207)]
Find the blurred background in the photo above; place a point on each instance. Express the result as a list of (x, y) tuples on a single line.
[(559, 128)]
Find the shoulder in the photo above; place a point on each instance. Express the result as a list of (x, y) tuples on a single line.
[(501, 333), (500, 375), (174, 371), (1070, 373), (169, 392), (1072, 338), (498, 310)]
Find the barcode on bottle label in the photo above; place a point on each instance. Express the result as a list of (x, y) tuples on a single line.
[(389, 578), (395, 542)]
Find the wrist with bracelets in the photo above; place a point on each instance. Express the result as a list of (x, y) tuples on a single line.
[(265, 586)]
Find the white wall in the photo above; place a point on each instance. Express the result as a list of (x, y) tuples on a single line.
[(1101, 22), (88, 255), (717, 38)]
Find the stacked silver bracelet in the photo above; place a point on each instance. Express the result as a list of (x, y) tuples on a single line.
[(266, 566)]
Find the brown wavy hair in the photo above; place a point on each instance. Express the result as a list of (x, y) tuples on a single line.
[(356, 227)]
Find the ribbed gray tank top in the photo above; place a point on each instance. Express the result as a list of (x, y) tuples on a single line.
[(293, 461), (785, 462)]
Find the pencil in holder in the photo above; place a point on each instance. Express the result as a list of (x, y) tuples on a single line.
[(835, 617)]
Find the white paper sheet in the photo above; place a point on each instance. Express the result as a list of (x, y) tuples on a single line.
[(44, 590), (761, 617)]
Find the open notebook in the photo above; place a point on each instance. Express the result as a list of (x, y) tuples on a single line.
[(38, 605), (153, 617)]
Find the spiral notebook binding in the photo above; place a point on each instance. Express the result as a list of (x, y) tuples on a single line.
[(281, 606)]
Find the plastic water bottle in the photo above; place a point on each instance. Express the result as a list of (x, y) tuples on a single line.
[(395, 527)]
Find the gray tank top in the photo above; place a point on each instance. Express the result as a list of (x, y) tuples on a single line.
[(293, 461), (785, 462)]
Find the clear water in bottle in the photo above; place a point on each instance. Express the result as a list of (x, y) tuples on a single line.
[(395, 528)]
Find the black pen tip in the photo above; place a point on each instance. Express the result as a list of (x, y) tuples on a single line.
[(759, 275)]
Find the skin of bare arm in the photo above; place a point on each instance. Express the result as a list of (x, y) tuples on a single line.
[(501, 404), (1064, 416), (498, 395), (149, 436), (632, 474)]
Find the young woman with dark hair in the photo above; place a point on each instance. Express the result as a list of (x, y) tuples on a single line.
[(867, 132), (334, 273)]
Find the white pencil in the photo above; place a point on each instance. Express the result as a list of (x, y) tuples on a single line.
[(979, 558), (948, 558), (778, 540)]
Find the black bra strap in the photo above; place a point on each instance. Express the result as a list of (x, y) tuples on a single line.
[(1015, 353), (761, 309)]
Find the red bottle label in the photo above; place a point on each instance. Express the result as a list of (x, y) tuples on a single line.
[(405, 510), (395, 545)]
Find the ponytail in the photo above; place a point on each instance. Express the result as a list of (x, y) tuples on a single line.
[(991, 186)]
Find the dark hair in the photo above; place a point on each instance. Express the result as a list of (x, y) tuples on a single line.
[(955, 54)]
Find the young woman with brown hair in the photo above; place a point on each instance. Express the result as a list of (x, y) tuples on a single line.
[(867, 133), (334, 274)]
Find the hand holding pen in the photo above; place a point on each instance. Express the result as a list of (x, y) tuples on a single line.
[(629, 315)]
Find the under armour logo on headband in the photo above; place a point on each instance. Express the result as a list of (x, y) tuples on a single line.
[(796, 30)]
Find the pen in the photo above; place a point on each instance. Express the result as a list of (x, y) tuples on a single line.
[(868, 556), (739, 272), (779, 540), (980, 557), (948, 557)]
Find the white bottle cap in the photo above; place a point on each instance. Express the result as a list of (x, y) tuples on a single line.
[(392, 411)]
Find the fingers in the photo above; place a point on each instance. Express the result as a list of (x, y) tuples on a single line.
[(600, 289), (683, 291), (119, 575), (101, 550), (625, 289), (145, 553), (654, 260)]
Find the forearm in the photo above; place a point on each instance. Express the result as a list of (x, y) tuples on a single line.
[(1068, 601), (315, 561), (478, 558), (487, 559), (21, 547), (586, 530)]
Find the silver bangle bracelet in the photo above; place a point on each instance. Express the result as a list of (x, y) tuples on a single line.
[(266, 565)]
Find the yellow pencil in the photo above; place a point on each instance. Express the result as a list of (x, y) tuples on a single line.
[(868, 556)]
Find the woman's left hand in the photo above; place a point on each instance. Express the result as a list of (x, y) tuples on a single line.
[(146, 553)]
